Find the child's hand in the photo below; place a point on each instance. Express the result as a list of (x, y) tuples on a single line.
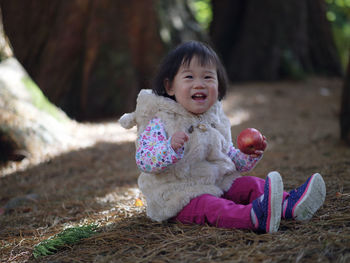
[(258, 153), (178, 140)]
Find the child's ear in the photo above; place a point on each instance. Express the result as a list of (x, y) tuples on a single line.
[(168, 87)]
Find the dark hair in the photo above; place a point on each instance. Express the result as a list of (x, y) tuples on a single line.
[(182, 55)]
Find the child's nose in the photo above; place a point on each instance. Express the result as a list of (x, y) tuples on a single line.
[(198, 84)]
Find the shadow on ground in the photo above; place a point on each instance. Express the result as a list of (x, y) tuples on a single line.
[(98, 185)]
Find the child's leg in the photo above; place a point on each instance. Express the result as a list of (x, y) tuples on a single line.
[(220, 212), (203, 209), (246, 189), (215, 211), (304, 201)]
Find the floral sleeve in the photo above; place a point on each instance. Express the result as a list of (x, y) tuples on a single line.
[(243, 162), (153, 149)]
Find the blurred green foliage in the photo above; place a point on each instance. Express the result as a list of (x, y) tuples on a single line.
[(338, 13), (202, 11)]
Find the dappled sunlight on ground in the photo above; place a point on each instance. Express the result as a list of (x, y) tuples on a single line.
[(238, 117), (130, 195), (81, 136), (104, 132), (233, 110), (95, 181)]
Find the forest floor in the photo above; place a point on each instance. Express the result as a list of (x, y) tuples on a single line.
[(96, 182)]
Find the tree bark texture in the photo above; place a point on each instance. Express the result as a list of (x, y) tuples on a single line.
[(272, 39), (345, 109), (89, 57)]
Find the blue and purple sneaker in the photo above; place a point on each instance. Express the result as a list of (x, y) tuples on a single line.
[(304, 201), (266, 211)]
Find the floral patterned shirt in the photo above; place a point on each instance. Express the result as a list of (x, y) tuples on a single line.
[(154, 152)]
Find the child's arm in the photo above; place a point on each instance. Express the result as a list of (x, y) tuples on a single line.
[(153, 149), (242, 161)]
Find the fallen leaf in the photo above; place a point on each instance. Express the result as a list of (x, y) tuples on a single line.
[(138, 202)]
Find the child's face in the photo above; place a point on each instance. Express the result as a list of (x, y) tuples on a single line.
[(195, 86)]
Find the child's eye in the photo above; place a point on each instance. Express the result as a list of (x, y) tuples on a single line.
[(208, 77), (189, 77)]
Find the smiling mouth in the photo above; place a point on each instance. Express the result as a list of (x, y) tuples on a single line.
[(199, 96)]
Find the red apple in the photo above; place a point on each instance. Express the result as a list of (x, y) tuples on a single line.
[(250, 140)]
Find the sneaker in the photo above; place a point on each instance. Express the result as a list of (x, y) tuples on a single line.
[(267, 208), (304, 201)]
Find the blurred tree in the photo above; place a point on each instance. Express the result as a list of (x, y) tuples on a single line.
[(30, 125), (89, 57), (345, 109), (92, 57), (273, 39)]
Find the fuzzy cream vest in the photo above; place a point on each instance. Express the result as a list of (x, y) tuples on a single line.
[(205, 167)]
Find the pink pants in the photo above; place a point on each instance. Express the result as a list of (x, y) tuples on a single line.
[(232, 210)]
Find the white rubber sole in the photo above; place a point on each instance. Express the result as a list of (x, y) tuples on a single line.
[(275, 201), (312, 199)]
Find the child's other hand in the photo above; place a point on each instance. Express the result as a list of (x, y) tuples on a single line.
[(178, 140), (258, 153)]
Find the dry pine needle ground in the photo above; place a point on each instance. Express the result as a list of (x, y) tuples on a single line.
[(97, 184)]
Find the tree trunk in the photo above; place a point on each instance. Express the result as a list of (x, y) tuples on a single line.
[(92, 57), (30, 125), (272, 39), (89, 57), (345, 109)]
